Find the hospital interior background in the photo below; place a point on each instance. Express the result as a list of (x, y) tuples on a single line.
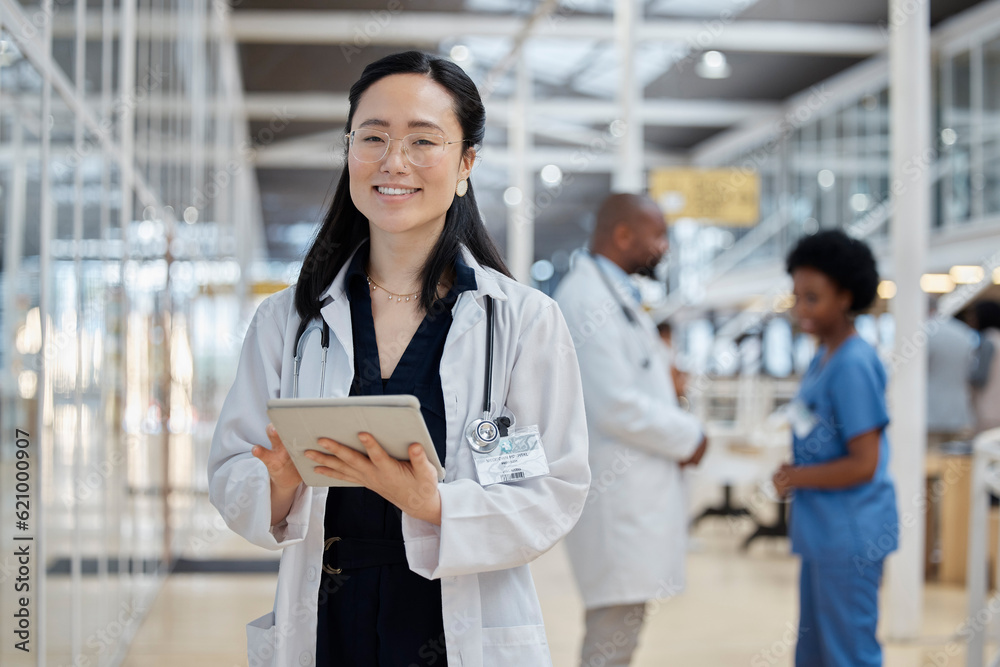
[(164, 164)]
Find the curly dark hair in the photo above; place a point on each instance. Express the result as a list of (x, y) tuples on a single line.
[(846, 261)]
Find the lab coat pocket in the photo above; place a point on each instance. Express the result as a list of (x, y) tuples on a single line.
[(516, 645), (260, 641)]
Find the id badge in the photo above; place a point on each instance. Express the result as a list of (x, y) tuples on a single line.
[(518, 457), (801, 418)]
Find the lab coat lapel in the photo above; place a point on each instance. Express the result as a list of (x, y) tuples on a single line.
[(469, 309), (337, 314)]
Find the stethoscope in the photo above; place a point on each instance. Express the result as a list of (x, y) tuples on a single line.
[(630, 316), (483, 435)]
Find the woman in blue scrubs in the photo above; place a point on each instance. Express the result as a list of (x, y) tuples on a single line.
[(843, 515)]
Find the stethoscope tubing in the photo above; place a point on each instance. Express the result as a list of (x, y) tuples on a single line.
[(629, 315), (303, 335)]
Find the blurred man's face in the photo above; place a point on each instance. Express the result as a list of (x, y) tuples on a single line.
[(648, 241)]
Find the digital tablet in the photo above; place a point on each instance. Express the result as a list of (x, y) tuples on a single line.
[(394, 421)]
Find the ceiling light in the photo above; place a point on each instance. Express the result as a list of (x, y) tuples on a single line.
[(967, 275), (887, 289), (551, 175), (713, 65), (826, 179), (936, 283), (948, 136), (459, 53), (542, 270), (859, 202), (512, 196)]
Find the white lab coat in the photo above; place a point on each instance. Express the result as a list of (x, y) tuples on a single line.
[(629, 544), (487, 535)]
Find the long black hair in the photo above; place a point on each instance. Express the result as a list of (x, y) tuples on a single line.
[(344, 227)]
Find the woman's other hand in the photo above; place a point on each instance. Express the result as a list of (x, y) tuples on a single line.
[(782, 480), (279, 464), (409, 485), (285, 479)]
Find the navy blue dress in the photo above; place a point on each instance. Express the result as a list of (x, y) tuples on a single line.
[(373, 613)]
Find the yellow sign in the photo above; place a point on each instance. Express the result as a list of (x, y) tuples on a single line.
[(720, 196)]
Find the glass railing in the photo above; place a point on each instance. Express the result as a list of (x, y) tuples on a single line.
[(118, 241), (832, 168)]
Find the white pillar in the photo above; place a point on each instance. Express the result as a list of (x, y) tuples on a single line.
[(44, 432), (910, 128), (628, 175), (521, 216), (14, 241)]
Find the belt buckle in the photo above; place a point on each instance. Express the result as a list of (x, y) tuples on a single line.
[(326, 547)]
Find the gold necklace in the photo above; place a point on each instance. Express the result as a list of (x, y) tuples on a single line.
[(399, 297)]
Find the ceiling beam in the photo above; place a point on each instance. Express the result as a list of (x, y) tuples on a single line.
[(361, 29), (664, 113), (355, 30)]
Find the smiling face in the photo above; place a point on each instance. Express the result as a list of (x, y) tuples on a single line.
[(396, 196), (821, 305)]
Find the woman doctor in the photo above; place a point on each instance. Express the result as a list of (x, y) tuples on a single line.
[(404, 570)]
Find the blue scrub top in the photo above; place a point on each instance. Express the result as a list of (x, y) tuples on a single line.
[(846, 397)]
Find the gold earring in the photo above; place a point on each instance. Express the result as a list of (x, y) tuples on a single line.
[(463, 187)]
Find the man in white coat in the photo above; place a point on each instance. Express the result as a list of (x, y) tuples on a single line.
[(629, 545)]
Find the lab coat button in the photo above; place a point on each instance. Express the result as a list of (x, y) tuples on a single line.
[(305, 659), (311, 574)]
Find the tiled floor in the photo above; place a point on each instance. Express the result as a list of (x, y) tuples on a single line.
[(739, 609)]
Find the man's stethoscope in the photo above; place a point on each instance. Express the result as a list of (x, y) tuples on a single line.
[(632, 318), (483, 435)]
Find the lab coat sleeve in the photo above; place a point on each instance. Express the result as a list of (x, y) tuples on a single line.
[(239, 485), (620, 407), (508, 525)]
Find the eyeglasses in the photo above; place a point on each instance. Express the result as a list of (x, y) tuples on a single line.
[(421, 149)]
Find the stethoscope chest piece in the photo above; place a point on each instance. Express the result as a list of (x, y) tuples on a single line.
[(482, 435)]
